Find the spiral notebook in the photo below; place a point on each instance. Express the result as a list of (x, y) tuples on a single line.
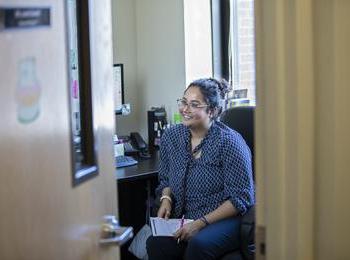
[(163, 227)]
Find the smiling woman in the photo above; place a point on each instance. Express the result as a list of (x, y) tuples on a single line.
[(206, 175), (202, 102)]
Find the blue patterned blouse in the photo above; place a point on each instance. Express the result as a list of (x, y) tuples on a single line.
[(222, 172)]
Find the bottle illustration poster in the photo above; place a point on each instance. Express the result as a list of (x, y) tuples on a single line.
[(28, 91)]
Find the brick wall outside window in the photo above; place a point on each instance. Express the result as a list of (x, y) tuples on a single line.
[(243, 48)]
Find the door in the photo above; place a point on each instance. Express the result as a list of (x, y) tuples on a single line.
[(302, 134), (43, 216)]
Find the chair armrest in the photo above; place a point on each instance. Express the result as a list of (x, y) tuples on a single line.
[(248, 234), (155, 206)]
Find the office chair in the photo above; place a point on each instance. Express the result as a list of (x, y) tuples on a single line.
[(241, 119)]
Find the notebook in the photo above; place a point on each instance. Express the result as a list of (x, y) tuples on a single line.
[(163, 227)]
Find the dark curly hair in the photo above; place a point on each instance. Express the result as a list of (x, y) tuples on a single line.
[(214, 92)]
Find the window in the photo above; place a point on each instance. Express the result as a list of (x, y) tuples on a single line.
[(242, 52), (234, 49)]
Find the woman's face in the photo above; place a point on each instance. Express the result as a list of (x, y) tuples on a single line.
[(194, 110)]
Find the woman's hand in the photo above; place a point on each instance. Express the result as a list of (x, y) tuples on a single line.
[(164, 209), (189, 230)]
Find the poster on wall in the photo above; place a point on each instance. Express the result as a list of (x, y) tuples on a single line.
[(118, 84), (118, 87)]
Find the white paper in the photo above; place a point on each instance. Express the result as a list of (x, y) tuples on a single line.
[(117, 83), (162, 227)]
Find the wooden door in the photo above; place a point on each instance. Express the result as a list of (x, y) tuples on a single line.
[(42, 216), (302, 129)]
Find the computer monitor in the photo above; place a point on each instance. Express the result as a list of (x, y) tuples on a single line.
[(118, 87)]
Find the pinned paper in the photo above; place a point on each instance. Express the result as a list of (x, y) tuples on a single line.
[(28, 91)]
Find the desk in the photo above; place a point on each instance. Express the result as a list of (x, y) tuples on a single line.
[(135, 185), (146, 168)]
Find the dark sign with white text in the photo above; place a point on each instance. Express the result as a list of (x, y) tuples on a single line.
[(18, 18)]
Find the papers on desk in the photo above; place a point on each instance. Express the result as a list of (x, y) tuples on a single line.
[(162, 227)]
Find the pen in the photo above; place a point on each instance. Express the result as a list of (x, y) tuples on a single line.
[(181, 225)]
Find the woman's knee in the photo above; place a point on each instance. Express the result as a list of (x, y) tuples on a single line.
[(151, 244), (163, 248), (198, 242), (198, 247)]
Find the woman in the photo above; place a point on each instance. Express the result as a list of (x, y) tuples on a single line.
[(206, 175)]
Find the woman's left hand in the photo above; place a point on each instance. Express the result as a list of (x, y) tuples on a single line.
[(189, 230)]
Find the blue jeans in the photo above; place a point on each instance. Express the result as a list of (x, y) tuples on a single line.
[(211, 242)]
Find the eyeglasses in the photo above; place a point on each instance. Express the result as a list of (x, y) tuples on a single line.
[(182, 103)]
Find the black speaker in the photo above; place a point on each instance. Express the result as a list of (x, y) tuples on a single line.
[(157, 123)]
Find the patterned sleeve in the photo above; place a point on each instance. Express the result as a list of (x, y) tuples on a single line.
[(238, 180), (163, 164)]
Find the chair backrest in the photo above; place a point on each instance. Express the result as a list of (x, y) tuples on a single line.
[(241, 119)]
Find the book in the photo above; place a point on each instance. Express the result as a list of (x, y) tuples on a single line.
[(163, 227)]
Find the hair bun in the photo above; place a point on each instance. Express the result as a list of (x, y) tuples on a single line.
[(224, 87)]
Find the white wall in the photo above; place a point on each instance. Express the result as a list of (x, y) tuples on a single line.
[(124, 48), (149, 40), (161, 54)]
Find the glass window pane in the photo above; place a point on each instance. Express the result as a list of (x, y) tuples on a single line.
[(242, 56)]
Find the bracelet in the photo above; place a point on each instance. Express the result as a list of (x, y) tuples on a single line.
[(204, 220), (165, 197)]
